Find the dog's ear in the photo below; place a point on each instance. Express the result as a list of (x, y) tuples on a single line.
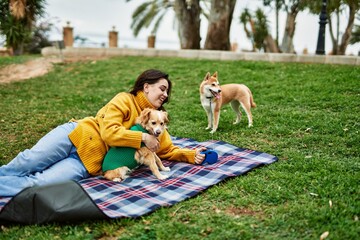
[(145, 115), (166, 117), (215, 75), (207, 76)]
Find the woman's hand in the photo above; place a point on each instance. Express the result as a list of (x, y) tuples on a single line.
[(151, 142), (199, 158)]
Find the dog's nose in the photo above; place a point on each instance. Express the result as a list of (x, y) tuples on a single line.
[(219, 90), (158, 132)]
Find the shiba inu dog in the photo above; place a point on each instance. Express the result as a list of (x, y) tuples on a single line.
[(213, 97), (119, 161)]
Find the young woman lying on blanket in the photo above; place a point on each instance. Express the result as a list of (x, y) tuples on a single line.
[(75, 150)]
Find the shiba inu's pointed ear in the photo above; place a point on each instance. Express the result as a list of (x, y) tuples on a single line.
[(215, 75), (207, 76)]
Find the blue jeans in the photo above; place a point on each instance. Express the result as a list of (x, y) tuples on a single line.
[(52, 160)]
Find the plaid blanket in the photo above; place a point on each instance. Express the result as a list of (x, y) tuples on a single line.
[(143, 193)]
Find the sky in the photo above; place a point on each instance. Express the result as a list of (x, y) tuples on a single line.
[(93, 19)]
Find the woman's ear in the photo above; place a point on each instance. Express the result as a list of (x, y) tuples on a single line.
[(146, 88)]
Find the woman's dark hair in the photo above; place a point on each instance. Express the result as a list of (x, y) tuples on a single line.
[(151, 76)]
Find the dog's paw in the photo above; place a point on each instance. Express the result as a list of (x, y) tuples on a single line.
[(250, 125), (166, 169), (117, 179), (162, 177), (212, 131), (207, 128)]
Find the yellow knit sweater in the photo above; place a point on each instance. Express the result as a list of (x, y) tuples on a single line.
[(93, 136)]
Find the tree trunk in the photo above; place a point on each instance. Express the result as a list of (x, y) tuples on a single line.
[(277, 23), (218, 34), (188, 16), (287, 45), (270, 44), (18, 49), (334, 39), (347, 34)]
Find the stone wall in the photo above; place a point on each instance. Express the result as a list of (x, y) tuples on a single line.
[(201, 54)]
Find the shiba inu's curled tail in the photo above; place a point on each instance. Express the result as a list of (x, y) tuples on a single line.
[(252, 103)]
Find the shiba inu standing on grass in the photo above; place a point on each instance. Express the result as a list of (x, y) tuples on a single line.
[(213, 97)]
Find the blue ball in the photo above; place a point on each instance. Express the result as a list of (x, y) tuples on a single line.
[(210, 157)]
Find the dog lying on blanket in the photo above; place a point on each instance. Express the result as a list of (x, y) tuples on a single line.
[(119, 161)]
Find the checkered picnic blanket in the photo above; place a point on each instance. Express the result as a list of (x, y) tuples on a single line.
[(143, 193)]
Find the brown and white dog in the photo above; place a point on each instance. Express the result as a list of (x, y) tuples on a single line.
[(213, 97), (154, 121)]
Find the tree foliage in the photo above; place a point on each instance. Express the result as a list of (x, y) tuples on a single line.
[(147, 13), (246, 20), (334, 9), (259, 28), (152, 12), (17, 18), (39, 37)]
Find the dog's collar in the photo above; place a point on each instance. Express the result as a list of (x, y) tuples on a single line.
[(211, 99)]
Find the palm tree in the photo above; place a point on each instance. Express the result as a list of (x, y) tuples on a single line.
[(147, 13), (261, 26), (187, 14), (16, 21), (259, 33), (245, 19), (17, 8)]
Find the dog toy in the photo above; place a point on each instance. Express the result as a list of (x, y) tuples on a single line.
[(210, 157)]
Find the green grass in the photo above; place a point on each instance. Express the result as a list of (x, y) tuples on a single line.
[(307, 115), (15, 60)]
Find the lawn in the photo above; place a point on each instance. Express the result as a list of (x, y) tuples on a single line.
[(307, 115)]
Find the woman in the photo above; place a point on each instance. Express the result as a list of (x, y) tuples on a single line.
[(75, 150)]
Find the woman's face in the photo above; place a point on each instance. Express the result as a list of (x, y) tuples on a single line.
[(157, 93)]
